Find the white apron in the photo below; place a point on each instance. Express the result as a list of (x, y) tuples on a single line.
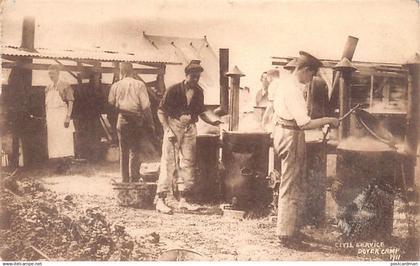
[(60, 139)]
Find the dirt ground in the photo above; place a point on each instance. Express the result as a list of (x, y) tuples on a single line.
[(213, 236)]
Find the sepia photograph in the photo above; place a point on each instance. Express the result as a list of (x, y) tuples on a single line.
[(212, 130)]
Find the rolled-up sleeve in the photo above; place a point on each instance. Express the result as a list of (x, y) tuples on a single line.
[(68, 93), (297, 107)]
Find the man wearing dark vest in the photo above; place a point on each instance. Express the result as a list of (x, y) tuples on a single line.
[(178, 112)]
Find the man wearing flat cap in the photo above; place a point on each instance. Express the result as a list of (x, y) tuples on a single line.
[(291, 119), (178, 112)]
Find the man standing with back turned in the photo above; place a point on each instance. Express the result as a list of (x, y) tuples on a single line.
[(291, 117), (129, 96), (178, 112)]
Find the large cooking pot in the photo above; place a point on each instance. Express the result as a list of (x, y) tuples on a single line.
[(364, 188), (245, 159)]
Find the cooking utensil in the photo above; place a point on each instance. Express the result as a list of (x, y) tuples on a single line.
[(357, 106), (327, 128), (373, 126)]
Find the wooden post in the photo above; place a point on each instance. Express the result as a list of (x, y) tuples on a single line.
[(24, 128), (116, 76), (223, 81), (413, 113), (160, 82), (235, 76)]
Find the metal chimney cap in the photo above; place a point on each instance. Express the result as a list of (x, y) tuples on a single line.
[(415, 60), (344, 65), (235, 72)]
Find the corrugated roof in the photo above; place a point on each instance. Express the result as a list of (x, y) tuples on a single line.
[(104, 56)]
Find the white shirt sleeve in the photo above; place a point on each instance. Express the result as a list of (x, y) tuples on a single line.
[(275, 85), (296, 105)]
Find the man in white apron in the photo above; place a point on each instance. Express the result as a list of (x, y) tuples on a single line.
[(178, 112), (59, 98), (291, 119)]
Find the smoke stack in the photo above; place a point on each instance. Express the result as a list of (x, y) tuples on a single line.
[(28, 34)]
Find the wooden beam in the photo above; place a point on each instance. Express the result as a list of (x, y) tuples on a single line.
[(382, 74), (146, 71), (68, 71), (365, 70)]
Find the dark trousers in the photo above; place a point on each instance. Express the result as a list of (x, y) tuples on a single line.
[(129, 130), (87, 137)]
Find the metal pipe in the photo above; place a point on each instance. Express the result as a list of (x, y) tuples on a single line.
[(28, 34), (235, 77), (344, 82), (234, 103), (346, 68), (348, 52)]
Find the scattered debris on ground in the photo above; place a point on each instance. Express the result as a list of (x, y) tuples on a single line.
[(77, 217), (38, 224)]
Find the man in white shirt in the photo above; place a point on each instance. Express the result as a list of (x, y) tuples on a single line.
[(291, 119), (130, 98)]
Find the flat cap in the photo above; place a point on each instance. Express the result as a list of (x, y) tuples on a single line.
[(308, 60), (193, 66)]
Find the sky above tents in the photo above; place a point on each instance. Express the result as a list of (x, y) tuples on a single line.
[(388, 31)]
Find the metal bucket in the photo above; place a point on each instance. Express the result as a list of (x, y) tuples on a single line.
[(245, 159), (137, 195)]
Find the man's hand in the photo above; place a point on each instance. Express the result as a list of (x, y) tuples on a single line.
[(217, 122), (171, 135), (67, 121), (333, 122)]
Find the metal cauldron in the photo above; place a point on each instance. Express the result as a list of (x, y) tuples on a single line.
[(364, 189), (245, 160)]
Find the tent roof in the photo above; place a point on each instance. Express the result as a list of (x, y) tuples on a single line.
[(184, 50)]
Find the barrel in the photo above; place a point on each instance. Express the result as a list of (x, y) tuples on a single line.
[(245, 160), (206, 187)]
